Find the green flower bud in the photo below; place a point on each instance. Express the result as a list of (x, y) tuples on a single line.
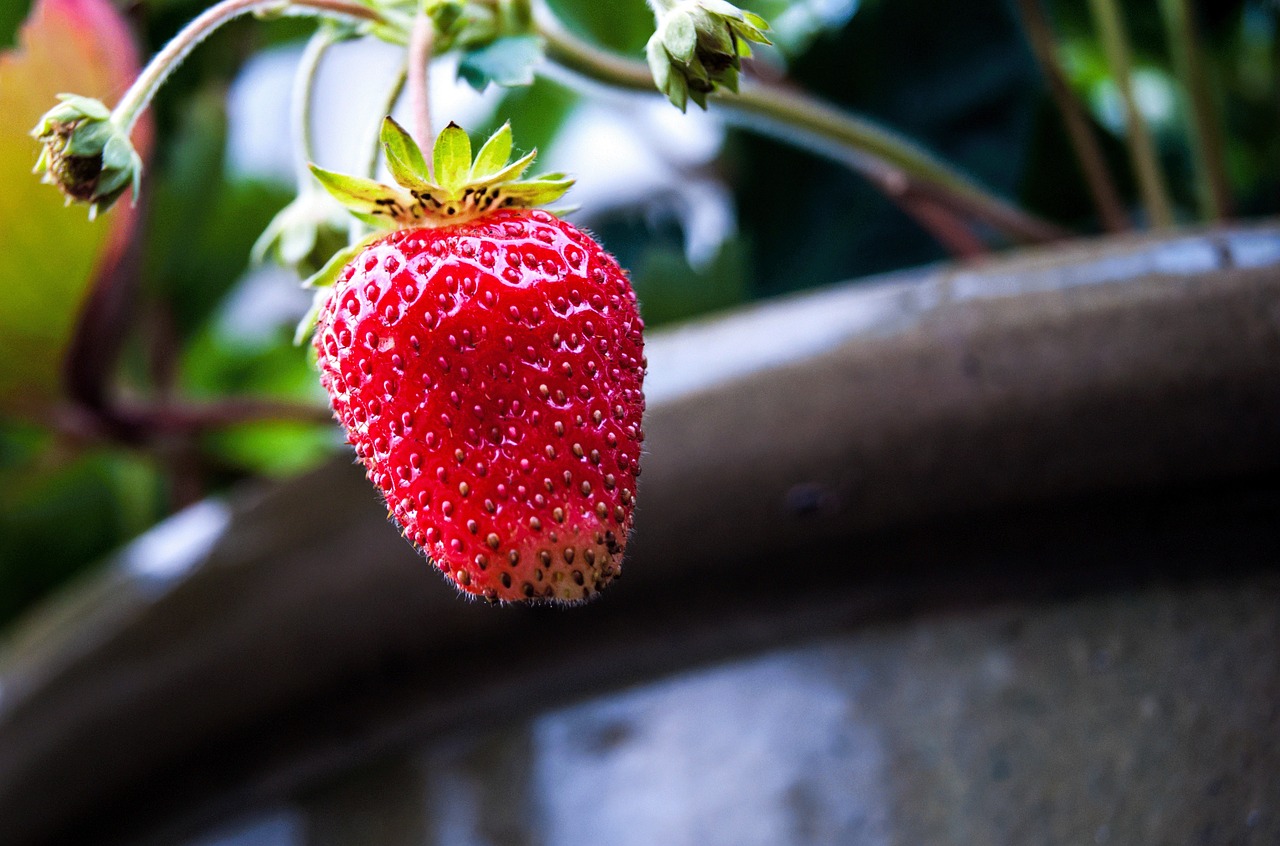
[(87, 156), (699, 46), (473, 24)]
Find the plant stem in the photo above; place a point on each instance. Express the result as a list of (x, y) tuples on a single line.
[(947, 228), (1106, 198), (389, 106), (421, 41), (1142, 149), (138, 97), (356, 228), (894, 164), (303, 90), (1202, 127)]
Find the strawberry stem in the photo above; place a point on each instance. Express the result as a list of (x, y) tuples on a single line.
[(421, 44), (898, 167), (138, 97)]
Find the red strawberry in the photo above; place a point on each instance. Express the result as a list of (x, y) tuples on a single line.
[(489, 374)]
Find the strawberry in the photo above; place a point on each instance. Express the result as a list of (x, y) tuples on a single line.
[(487, 362)]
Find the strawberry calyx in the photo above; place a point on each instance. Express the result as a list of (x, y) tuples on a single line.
[(452, 189)]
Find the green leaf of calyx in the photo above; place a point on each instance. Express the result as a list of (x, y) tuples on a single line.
[(404, 157), (679, 37), (536, 192), (364, 196), (452, 157), (326, 276), (494, 154), (511, 172)]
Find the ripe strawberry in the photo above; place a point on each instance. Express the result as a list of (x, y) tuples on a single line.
[(489, 373)]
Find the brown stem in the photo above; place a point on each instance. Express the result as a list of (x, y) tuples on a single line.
[(1142, 147), (185, 472), (103, 322), (1084, 141), (947, 228), (1202, 122), (164, 350)]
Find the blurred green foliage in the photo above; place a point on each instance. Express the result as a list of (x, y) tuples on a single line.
[(63, 507), (12, 14), (959, 77)]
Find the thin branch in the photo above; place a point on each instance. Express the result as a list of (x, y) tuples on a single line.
[(375, 144), (1106, 199), (138, 97), (103, 322), (891, 162), (304, 82), (1142, 148), (947, 228), (1203, 132)]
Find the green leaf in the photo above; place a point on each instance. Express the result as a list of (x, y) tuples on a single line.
[(677, 91), (512, 171), (51, 254), (404, 157), (659, 62), (679, 36), (364, 196), (507, 61), (326, 276), (494, 154), (537, 192), (452, 157), (728, 79)]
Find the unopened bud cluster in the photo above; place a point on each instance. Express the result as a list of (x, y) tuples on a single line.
[(85, 154), (699, 46)]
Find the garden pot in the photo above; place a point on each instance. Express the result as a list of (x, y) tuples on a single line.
[(966, 554)]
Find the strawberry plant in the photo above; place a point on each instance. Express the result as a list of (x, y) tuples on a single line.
[(483, 355)]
